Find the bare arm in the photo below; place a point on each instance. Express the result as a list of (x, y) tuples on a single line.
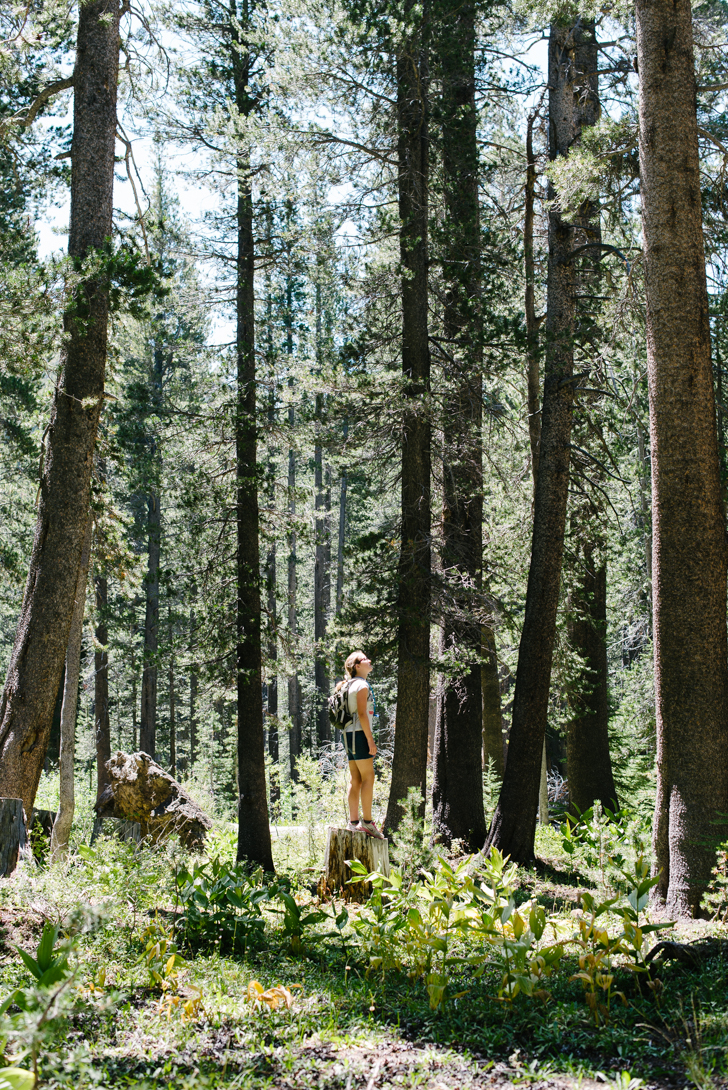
[(362, 697)]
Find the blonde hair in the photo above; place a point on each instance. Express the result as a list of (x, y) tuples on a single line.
[(350, 666)]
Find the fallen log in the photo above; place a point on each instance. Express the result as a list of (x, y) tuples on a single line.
[(140, 791), (342, 845)]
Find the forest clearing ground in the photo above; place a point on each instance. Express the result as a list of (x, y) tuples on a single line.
[(344, 1030)]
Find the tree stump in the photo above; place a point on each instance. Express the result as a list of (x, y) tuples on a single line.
[(342, 844), (13, 838), (141, 792), (40, 831)]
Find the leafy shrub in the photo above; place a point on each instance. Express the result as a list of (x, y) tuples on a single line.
[(606, 841), (715, 900), (296, 920), (221, 905)]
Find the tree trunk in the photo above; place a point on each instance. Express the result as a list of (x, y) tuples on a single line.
[(587, 734), (67, 799), (102, 726), (533, 380), (36, 663), (194, 725), (13, 835), (689, 542), (588, 760), (342, 534), (271, 590), (543, 790), (273, 742), (457, 792), (514, 823), (148, 721), (172, 705), (294, 695), (492, 713), (254, 842), (320, 579), (409, 766)]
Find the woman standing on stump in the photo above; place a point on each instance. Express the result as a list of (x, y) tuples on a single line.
[(359, 743)]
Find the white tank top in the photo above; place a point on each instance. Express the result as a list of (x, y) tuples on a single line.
[(356, 686)]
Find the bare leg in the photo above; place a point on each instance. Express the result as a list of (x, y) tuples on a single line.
[(355, 790), (366, 774)]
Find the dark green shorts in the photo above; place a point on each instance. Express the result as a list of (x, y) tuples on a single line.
[(356, 745)]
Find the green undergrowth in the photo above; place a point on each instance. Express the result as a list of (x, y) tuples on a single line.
[(176, 971)]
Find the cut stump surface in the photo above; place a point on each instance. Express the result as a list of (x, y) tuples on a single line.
[(341, 845)]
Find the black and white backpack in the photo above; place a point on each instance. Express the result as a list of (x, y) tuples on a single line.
[(339, 714)]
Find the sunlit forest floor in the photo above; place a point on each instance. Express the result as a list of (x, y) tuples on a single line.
[(141, 1006)]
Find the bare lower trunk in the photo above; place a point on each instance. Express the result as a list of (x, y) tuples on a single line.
[(36, 663), (409, 767), (457, 789), (514, 822), (492, 713), (272, 720), (67, 800), (148, 721), (172, 706), (543, 791), (294, 695), (254, 843), (588, 760), (102, 725), (321, 576), (342, 535), (689, 542), (194, 723)]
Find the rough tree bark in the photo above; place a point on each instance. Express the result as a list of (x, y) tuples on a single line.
[(492, 708), (67, 799), (172, 700), (457, 791), (36, 663), (321, 577), (409, 766), (533, 378), (588, 760), (513, 827), (272, 721), (102, 725), (254, 842), (148, 718), (689, 541), (342, 532), (194, 724), (294, 688), (271, 577)]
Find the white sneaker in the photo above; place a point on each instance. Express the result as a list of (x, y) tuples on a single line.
[(370, 829), (353, 826)]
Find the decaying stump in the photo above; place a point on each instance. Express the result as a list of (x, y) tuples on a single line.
[(342, 844), (13, 838), (141, 791)]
